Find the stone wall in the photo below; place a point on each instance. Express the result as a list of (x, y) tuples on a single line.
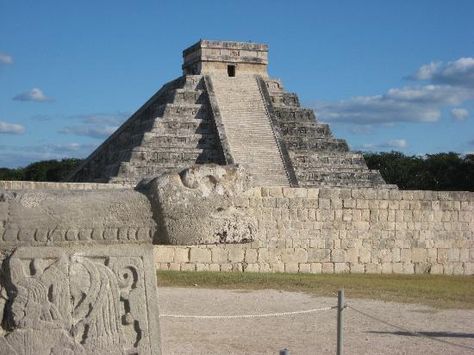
[(43, 185), (46, 217), (343, 230)]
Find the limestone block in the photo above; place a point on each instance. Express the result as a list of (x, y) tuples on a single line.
[(405, 255), (226, 267), (341, 268), (324, 203), (291, 267), (352, 255), (458, 268), (336, 203), (325, 215), (418, 255), (396, 255), (304, 268), (266, 255), (214, 267), (347, 215), (397, 268), (163, 254), (319, 255), (291, 255), (269, 202), (278, 267), (437, 269), (357, 216), (432, 255), (356, 268), (327, 268), (373, 268), (289, 192), (315, 268), (362, 204), (469, 268), (443, 255), (162, 266), (236, 254), (188, 267), (251, 256), (338, 256), (181, 255), (453, 254), (174, 266), (202, 267), (313, 193), (264, 267), (349, 203), (219, 255), (200, 255), (445, 244), (252, 268), (408, 268), (365, 255), (387, 268)]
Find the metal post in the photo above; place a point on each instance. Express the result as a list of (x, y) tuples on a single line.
[(340, 320), (284, 352)]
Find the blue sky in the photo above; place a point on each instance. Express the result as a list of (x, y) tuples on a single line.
[(385, 74)]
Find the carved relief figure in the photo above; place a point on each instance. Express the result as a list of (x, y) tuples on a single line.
[(74, 305)]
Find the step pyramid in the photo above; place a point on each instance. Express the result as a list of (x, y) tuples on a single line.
[(225, 109)]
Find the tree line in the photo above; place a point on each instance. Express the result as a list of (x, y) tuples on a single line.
[(442, 171), (45, 170), (439, 172)]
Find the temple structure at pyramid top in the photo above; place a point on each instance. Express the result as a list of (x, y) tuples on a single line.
[(212, 57), (225, 109)]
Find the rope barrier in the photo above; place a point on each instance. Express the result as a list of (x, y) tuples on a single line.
[(447, 342), (313, 310), (281, 314)]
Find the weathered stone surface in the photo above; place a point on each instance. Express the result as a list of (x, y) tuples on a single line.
[(226, 110), (196, 206), (79, 300), (42, 217)]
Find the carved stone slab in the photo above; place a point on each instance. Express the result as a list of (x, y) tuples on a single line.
[(79, 300)]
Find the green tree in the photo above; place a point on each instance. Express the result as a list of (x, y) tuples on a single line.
[(46, 170), (442, 171)]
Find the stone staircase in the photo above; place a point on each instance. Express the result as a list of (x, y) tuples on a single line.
[(173, 131), (318, 158), (248, 129)]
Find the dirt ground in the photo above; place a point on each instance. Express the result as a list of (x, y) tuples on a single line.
[(312, 333)]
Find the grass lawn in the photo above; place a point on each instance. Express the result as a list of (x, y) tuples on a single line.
[(433, 290)]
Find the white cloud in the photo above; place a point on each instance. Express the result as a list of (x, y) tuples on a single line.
[(455, 73), (34, 94), (459, 114), (6, 58), (113, 119), (449, 84), (11, 128), (100, 125), (94, 132), (390, 144), (426, 71)]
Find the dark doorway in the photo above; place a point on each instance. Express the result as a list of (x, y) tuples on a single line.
[(231, 70)]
